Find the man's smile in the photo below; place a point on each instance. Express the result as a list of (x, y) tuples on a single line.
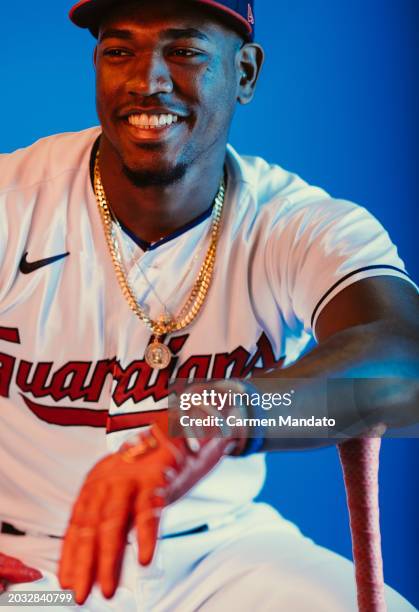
[(153, 123), (152, 127)]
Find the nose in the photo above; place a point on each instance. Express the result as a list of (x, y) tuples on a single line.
[(150, 75)]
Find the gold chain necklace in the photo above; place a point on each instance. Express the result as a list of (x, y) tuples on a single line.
[(157, 354)]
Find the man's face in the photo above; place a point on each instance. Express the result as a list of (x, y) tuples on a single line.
[(167, 83)]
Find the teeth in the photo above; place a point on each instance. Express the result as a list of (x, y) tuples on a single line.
[(147, 122), (142, 120)]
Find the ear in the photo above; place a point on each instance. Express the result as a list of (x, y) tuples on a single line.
[(250, 59), (95, 57)]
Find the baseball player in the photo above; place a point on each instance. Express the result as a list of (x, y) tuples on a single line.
[(145, 251)]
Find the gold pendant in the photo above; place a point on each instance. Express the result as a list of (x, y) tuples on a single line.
[(157, 355)]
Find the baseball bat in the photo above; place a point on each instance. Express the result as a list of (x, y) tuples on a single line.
[(360, 464)]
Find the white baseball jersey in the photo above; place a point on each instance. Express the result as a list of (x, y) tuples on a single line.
[(73, 380)]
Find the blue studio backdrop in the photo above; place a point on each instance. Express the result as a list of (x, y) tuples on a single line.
[(337, 103)]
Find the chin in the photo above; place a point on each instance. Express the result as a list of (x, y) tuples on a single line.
[(159, 175)]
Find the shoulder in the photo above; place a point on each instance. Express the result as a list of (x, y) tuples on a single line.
[(45, 159), (33, 181), (283, 197)]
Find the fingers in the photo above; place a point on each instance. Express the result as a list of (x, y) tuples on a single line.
[(13, 570), (21, 574), (84, 564), (147, 521), (77, 568), (68, 554), (112, 540), (95, 541)]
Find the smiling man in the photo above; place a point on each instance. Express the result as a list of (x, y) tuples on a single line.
[(147, 251)]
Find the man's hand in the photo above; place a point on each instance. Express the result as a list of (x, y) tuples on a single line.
[(130, 488), (13, 571)]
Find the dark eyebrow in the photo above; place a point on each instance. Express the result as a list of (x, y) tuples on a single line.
[(176, 33), (171, 33), (115, 33)]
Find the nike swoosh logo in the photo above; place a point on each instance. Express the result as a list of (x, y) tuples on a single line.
[(26, 267)]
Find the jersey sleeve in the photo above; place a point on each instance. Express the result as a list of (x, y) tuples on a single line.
[(318, 249)]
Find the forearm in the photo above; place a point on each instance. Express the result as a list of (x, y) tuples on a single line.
[(382, 351)]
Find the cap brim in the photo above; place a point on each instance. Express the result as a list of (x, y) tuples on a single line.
[(88, 14)]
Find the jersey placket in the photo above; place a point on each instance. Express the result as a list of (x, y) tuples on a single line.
[(147, 274)]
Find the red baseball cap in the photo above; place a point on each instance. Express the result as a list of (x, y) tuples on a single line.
[(238, 13)]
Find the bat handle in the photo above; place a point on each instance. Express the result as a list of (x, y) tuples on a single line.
[(360, 462)]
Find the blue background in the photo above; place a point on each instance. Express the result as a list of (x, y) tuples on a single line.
[(337, 103)]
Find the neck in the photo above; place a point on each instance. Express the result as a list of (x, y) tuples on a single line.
[(153, 212)]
